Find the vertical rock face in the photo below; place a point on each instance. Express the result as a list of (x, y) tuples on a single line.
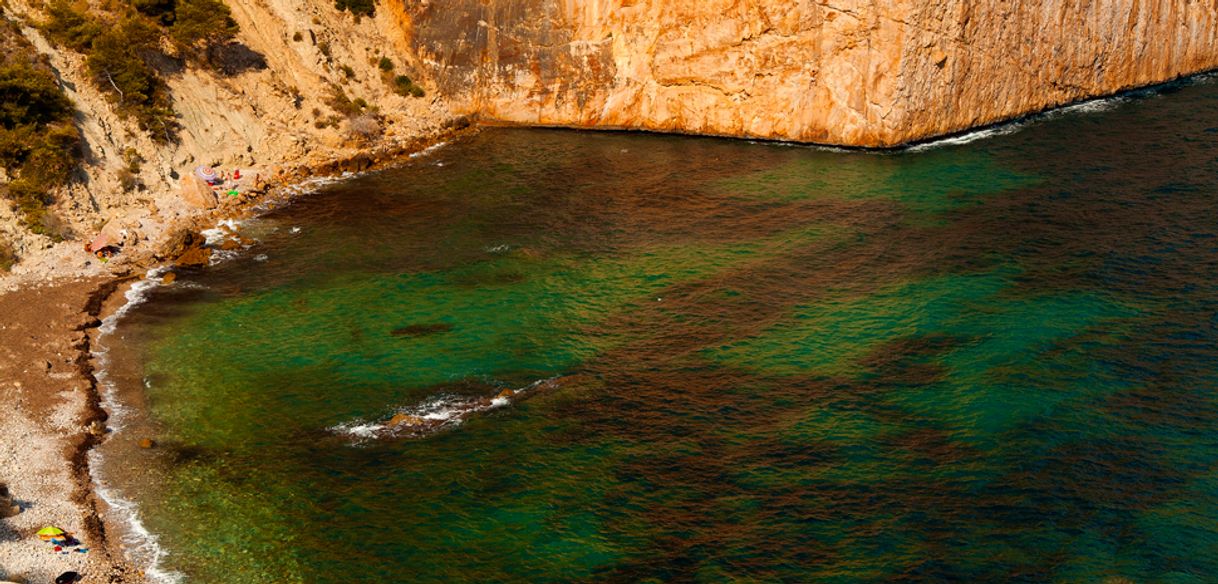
[(853, 72)]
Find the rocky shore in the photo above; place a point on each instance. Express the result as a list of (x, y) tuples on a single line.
[(53, 304)]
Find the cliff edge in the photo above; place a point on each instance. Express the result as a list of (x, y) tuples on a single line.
[(869, 73)]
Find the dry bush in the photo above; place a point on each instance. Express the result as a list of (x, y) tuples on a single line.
[(365, 127), (8, 256)]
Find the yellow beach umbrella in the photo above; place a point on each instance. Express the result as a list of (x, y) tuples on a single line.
[(49, 532)]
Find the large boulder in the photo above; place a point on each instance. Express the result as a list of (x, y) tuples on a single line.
[(186, 248), (197, 193), (194, 257)]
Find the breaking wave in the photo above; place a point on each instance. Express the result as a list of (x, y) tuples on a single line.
[(431, 415), (142, 546)]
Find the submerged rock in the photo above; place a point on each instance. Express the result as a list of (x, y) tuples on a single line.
[(231, 244), (406, 420)]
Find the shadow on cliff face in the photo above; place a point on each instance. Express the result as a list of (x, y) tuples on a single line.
[(232, 59)]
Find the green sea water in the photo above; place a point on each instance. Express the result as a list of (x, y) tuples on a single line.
[(982, 362)]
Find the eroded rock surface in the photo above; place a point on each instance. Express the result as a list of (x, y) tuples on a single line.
[(852, 72)]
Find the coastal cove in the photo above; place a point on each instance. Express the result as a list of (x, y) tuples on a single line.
[(981, 361)]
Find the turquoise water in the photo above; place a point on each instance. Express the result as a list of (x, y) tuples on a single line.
[(741, 362)]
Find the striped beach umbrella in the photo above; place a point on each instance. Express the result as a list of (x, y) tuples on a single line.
[(49, 532), (206, 173)]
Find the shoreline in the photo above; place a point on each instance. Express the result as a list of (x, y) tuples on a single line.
[(68, 424)]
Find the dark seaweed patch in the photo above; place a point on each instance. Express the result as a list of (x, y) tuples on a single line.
[(421, 330)]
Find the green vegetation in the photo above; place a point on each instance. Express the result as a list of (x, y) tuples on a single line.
[(357, 7), (401, 84), (119, 57), (120, 63), (346, 106), (404, 86), (71, 28), (196, 26), (200, 26), (363, 119), (122, 48), (39, 144)]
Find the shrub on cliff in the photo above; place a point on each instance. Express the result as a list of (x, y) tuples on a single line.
[(8, 256), (120, 64), (52, 160), (404, 86), (31, 202), (70, 27), (39, 145), (346, 106), (30, 96), (200, 26), (120, 57), (364, 127)]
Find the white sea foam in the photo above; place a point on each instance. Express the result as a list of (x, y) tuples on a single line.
[(502, 248), (801, 145), (142, 546), (226, 230), (313, 185), (970, 137), (429, 150), (222, 231), (435, 413), (135, 295), (1086, 107)]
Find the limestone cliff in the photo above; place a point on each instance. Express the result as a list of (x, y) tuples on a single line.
[(850, 72)]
